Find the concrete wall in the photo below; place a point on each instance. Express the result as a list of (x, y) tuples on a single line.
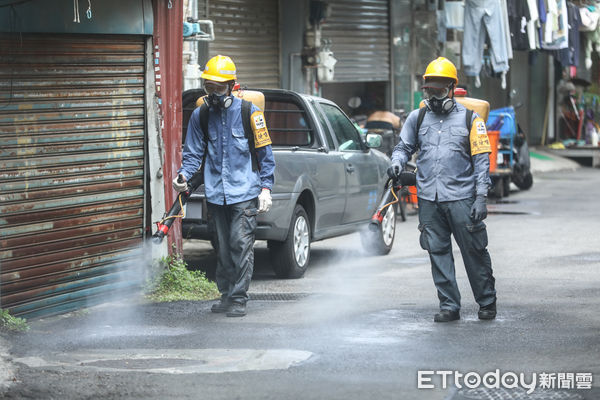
[(292, 22), (533, 123)]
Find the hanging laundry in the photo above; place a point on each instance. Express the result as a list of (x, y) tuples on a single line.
[(441, 26), (455, 14), (533, 25), (570, 55), (591, 26), (542, 16), (556, 28), (483, 16), (589, 18), (509, 50), (518, 18)]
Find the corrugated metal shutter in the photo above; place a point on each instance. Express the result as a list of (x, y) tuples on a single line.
[(248, 32), (72, 128), (360, 39)]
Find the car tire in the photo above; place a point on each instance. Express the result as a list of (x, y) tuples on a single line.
[(506, 186), (381, 240), (291, 257), (497, 189), (524, 180)]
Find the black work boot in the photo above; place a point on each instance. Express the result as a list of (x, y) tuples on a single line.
[(446, 316), (237, 309), (487, 312), (222, 306)]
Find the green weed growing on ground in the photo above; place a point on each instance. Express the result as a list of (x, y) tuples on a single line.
[(175, 282), (8, 323)]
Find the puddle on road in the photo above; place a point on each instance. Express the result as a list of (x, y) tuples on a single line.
[(173, 361), (507, 212), (365, 338), (412, 260), (111, 331), (143, 363), (585, 257), (503, 202), (405, 323), (581, 258), (511, 207), (408, 321)]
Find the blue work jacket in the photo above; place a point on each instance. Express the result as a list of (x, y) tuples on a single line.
[(446, 170), (228, 174)]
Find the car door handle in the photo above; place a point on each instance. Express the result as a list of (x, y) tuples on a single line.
[(350, 168)]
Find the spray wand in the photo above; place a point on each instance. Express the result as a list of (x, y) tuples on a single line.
[(176, 210), (406, 178)]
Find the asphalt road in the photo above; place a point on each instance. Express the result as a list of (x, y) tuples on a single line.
[(355, 326)]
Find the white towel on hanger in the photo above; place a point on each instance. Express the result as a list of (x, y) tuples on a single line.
[(533, 25), (455, 15)]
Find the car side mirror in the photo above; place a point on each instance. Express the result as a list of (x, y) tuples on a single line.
[(374, 140)]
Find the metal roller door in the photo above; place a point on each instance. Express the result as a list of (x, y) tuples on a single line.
[(360, 39), (72, 126), (248, 32)]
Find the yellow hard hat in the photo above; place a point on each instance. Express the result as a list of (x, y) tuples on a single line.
[(441, 67), (219, 69)]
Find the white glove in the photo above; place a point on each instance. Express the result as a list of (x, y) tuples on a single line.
[(264, 201), (180, 186)]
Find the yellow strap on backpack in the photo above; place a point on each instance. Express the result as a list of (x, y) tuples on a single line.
[(259, 127), (480, 142)]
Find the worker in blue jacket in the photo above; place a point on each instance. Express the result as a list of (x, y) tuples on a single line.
[(452, 185), (235, 190)]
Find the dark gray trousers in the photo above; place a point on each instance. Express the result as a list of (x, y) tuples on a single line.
[(235, 225), (437, 221)]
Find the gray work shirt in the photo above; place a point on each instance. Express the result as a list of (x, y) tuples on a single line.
[(446, 170)]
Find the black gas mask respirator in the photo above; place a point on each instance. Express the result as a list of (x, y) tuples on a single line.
[(214, 100), (438, 100), (217, 95)]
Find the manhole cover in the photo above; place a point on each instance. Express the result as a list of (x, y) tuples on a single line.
[(277, 296), (514, 394), (144, 363)]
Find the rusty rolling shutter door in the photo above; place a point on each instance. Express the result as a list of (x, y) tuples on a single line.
[(248, 32), (72, 129), (360, 39)]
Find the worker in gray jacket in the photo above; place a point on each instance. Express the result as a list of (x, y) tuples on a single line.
[(452, 185)]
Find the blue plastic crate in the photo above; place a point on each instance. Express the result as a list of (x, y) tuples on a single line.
[(509, 125)]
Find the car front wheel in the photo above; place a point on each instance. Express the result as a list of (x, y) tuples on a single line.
[(291, 257)]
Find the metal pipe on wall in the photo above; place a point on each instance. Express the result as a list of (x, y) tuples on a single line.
[(291, 69), (168, 41)]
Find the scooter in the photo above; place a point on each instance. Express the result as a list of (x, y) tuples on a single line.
[(514, 151)]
